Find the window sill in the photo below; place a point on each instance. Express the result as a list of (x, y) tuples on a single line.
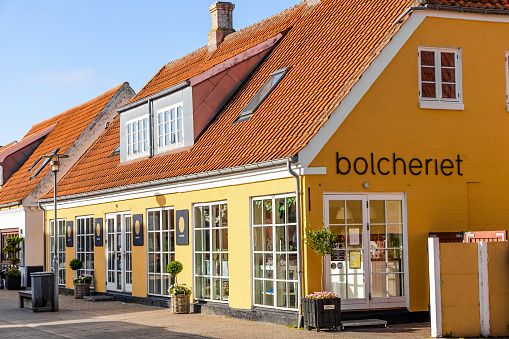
[(454, 106)]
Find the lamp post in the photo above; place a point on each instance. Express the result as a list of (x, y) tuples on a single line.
[(54, 167)]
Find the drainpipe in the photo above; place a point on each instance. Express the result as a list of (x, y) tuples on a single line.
[(299, 264), (43, 235)]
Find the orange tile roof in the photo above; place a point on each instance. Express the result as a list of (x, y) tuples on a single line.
[(9, 145), (328, 49), (69, 126), (235, 43)]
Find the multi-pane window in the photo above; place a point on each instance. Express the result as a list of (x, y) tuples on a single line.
[(170, 126), (275, 275), (439, 74), (85, 244), (161, 250), (4, 234), (137, 137), (60, 249), (211, 252)]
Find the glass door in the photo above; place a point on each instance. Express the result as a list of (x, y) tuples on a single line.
[(119, 252), (367, 268)]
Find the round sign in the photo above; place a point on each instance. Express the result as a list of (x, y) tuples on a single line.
[(340, 266), (137, 227), (333, 265), (69, 229), (182, 225), (98, 229)]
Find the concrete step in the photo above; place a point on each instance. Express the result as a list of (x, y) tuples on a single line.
[(364, 322), (100, 297)]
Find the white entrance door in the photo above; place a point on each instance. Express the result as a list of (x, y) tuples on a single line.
[(367, 269), (118, 252)]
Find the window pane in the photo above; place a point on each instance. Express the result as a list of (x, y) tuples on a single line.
[(447, 59), (448, 75), (179, 112), (428, 74), (428, 90), (258, 238), (258, 265), (257, 212), (449, 91), (281, 294), (427, 58), (280, 211)]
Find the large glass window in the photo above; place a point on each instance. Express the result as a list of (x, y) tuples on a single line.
[(161, 250), (137, 137), (61, 248), (4, 234), (211, 251), (170, 126), (274, 227), (85, 244)]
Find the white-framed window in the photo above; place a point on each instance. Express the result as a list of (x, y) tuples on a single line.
[(211, 273), (440, 78), (274, 243), (137, 137), (85, 244), (507, 79), (170, 126), (61, 248), (161, 249)]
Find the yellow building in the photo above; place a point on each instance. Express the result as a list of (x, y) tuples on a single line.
[(386, 119)]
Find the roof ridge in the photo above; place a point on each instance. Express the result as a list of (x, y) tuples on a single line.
[(114, 89)]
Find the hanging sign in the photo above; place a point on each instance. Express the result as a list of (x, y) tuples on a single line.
[(138, 230), (182, 217), (68, 234), (98, 231)]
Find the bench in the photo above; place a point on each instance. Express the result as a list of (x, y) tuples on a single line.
[(22, 295)]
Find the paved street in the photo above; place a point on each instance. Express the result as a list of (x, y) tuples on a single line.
[(86, 319)]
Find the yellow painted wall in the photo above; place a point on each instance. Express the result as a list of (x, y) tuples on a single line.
[(460, 289), (498, 278), (237, 197), (388, 120)]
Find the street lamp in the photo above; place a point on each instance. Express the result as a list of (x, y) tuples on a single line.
[(54, 167)]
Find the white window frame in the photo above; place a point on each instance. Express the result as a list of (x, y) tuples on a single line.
[(161, 127), (210, 276), (82, 254), (274, 253), (507, 80), (171, 250), (61, 248), (439, 102), (130, 136)]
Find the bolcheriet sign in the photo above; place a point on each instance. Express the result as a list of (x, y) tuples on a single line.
[(396, 165)]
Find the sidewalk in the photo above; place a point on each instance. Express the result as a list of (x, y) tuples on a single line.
[(86, 319)]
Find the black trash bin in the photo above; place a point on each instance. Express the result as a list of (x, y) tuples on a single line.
[(42, 291), (29, 271)]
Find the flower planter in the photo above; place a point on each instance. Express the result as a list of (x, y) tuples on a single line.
[(322, 313), (13, 282), (81, 290), (180, 304)]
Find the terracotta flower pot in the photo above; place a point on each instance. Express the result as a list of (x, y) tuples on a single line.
[(180, 304), (81, 290)]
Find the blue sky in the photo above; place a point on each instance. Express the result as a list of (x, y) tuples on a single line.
[(55, 55)]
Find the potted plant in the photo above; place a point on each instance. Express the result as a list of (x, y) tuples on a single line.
[(180, 293), (321, 309), (12, 249), (82, 283)]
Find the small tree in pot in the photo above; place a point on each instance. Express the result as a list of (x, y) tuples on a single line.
[(12, 250), (179, 292), (82, 282), (321, 309)]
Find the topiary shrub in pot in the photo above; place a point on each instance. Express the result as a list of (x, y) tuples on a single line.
[(13, 275), (180, 293)]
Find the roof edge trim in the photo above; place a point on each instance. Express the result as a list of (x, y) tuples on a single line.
[(235, 60), (23, 143), (467, 9), (14, 203), (159, 94), (276, 162)]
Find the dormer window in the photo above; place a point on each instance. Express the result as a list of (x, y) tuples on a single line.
[(137, 137), (170, 126), (264, 91)]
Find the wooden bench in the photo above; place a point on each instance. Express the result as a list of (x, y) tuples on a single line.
[(22, 295)]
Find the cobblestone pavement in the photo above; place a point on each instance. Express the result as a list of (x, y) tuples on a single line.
[(86, 319)]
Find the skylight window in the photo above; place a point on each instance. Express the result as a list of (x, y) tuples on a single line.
[(46, 160), (264, 91), (115, 152), (35, 163)]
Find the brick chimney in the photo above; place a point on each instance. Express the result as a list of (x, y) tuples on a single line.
[(222, 23)]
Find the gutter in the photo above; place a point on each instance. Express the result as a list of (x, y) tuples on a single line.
[(405, 13), (299, 263), (213, 173), (159, 94), (10, 204), (43, 235)]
